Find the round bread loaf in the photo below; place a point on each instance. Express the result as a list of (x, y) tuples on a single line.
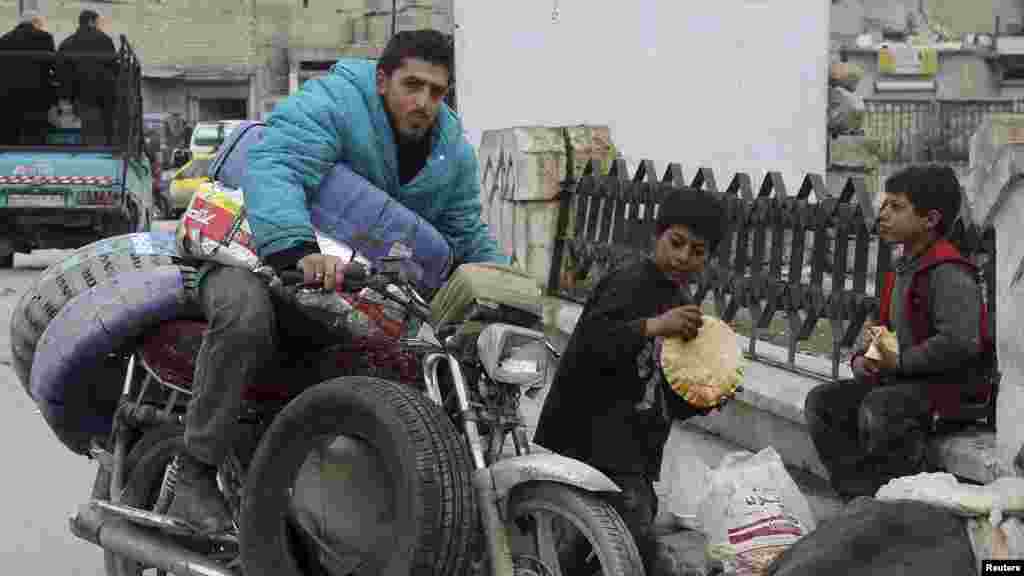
[(706, 369)]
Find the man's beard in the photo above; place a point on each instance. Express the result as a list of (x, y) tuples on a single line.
[(411, 138), (401, 136)]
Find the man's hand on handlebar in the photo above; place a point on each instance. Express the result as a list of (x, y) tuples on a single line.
[(322, 269)]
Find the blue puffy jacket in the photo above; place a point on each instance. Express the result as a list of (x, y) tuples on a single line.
[(340, 117)]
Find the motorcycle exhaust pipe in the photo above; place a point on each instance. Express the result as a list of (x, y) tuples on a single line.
[(141, 545)]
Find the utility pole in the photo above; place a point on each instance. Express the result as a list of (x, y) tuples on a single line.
[(394, 17)]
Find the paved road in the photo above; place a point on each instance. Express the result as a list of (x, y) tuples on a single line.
[(44, 482)]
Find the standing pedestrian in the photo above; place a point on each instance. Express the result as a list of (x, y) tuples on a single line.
[(90, 80), (26, 92)]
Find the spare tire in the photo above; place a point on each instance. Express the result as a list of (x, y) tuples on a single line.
[(86, 267), (396, 485)]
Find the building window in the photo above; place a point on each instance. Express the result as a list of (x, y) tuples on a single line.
[(305, 3)]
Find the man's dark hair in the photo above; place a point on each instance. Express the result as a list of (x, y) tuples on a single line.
[(427, 45), (87, 18), (929, 187), (702, 213)]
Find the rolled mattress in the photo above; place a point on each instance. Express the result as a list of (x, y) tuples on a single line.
[(75, 379), (352, 210)]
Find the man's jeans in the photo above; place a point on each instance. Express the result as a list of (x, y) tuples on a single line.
[(249, 332), (867, 434)]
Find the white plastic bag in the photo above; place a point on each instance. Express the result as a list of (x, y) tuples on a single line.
[(687, 486), (1005, 494), (753, 512)]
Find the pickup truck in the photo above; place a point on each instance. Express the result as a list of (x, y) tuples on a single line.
[(64, 194)]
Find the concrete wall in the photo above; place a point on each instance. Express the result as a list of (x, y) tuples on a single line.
[(186, 33), (734, 85), (998, 165)]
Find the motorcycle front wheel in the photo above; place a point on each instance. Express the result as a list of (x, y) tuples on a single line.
[(557, 529)]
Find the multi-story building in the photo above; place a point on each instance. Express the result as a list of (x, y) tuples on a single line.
[(926, 95), (226, 59), (301, 39)]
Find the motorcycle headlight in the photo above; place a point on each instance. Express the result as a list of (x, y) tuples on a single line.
[(514, 355)]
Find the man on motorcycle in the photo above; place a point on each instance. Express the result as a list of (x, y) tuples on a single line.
[(387, 121), (609, 406)]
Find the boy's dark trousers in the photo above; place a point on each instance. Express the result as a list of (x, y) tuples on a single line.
[(867, 434)]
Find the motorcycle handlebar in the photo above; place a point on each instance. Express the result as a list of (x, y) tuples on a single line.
[(357, 277)]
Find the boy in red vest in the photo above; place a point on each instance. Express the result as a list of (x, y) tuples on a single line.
[(874, 428)]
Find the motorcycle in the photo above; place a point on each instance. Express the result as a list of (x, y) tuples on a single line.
[(385, 454)]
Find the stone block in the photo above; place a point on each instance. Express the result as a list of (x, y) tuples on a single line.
[(523, 164), (591, 143), (534, 237), (521, 173)]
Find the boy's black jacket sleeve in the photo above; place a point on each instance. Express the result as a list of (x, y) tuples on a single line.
[(613, 319)]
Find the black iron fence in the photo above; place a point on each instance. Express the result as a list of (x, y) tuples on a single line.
[(929, 130), (804, 257)]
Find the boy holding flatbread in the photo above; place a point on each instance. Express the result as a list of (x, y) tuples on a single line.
[(926, 353), (602, 408)]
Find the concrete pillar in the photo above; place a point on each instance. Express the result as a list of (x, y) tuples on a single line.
[(255, 96), (521, 170), (997, 157)]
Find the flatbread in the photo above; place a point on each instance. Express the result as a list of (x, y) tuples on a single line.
[(706, 369)]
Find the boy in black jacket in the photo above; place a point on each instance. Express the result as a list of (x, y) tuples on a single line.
[(608, 405)]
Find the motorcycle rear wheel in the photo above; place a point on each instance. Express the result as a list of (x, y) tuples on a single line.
[(432, 519), (144, 467)]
